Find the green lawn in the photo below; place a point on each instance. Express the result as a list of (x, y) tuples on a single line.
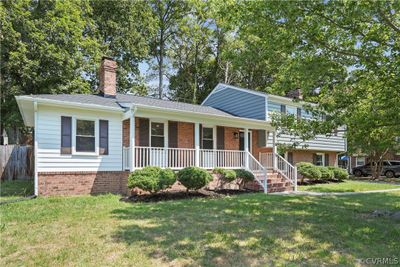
[(347, 186), (15, 189), (250, 229)]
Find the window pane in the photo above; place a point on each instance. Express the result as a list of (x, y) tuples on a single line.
[(84, 127), (319, 161), (85, 144), (157, 141), (208, 144), (207, 133), (157, 128)]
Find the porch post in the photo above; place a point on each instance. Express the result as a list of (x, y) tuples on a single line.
[(246, 147), (132, 140), (274, 151), (197, 143)]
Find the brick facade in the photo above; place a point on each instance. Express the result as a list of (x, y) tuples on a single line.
[(230, 142), (307, 156), (82, 183), (185, 135)]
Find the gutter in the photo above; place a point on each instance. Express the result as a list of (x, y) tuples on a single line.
[(66, 103)]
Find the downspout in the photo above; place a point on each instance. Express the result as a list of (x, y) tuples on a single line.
[(35, 148)]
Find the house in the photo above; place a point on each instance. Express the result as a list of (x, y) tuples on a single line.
[(322, 150), (88, 144)]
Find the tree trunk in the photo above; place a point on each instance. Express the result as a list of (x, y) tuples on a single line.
[(161, 68)]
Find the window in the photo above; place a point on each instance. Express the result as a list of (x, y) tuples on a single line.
[(360, 161), (157, 134), (85, 136), (208, 140), (319, 159)]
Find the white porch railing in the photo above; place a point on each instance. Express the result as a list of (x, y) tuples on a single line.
[(277, 163), (178, 158), (211, 158)]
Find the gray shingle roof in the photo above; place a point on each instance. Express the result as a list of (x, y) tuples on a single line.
[(138, 100)]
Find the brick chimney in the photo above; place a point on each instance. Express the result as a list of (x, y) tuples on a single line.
[(108, 77), (296, 93)]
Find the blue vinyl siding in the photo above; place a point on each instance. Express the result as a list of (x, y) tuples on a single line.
[(238, 103)]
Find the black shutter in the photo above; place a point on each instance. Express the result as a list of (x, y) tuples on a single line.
[(314, 159), (220, 137), (173, 134), (66, 135), (290, 157), (143, 132), (283, 109), (103, 134), (326, 159), (261, 138), (299, 113)]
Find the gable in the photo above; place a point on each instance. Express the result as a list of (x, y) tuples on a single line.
[(238, 103)]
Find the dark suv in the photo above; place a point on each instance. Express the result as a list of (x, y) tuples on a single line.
[(391, 168)]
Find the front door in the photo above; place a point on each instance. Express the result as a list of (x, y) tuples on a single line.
[(241, 141)]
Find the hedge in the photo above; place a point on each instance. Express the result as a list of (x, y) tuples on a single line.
[(151, 179), (339, 173), (194, 177), (326, 173), (309, 170)]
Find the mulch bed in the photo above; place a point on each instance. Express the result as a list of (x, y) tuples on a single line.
[(176, 195), (312, 182)]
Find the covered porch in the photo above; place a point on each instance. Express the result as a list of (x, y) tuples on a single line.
[(156, 138)]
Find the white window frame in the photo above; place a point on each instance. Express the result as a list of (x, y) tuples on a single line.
[(165, 131), (96, 136), (214, 139), (323, 158), (250, 140), (357, 158)]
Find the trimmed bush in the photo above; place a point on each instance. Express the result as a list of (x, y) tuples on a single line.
[(309, 170), (151, 179), (224, 174), (339, 173), (194, 177), (243, 177), (326, 173)]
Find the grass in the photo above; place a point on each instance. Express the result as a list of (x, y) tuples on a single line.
[(347, 186), (15, 189), (250, 229)]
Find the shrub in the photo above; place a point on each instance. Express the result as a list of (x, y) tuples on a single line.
[(224, 174), (308, 170), (194, 177), (326, 173), (151, 179), (339, 173), (243, 177)]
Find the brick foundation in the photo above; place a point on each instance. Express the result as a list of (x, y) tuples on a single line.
[(82, 183)]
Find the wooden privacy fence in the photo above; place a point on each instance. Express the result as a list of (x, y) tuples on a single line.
[(16, 162)]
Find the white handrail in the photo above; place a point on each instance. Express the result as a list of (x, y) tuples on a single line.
[(287, 170), (257, 168), (276, 162)]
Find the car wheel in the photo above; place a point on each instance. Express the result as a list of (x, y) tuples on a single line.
[(358, 173), (389, 174)]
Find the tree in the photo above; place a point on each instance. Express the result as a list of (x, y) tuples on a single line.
[(167, 14), (347, 62), (43, 51), (123, 30)]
